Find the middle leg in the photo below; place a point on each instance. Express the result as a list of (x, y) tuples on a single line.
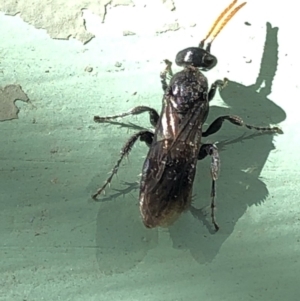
[(135, 111), (236, 120)]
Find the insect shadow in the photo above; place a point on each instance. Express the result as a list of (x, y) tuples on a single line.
[(121, 232), (242, 159)]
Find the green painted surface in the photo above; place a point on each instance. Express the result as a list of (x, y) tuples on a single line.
[(57, 244)]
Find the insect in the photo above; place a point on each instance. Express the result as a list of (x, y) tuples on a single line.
[(175, 144)]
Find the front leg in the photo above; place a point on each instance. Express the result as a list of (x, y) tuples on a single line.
[(217, 84), (167, 72)]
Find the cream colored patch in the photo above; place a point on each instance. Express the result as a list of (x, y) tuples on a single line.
[(8, 96), (66, 19), (169, 4), (61, 19)]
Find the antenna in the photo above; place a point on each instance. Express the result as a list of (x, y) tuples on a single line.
[(219, 24)]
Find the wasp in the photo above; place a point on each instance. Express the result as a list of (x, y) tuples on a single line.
[(175, 144)]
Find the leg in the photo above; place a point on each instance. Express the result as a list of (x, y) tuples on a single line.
[(217, 84), (217, 124), (211, 149), (135, 111), (163, 74), (145, 136)]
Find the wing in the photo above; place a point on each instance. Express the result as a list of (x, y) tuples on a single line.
[(177, 137), (185, 107), (166, 184), (170, 166)]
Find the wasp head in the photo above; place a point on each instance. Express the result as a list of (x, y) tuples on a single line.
[(197, 57), (200, 57)]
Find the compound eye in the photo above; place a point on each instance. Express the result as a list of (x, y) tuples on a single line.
[(208, 62)]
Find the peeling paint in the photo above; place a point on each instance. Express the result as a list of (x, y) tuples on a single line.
[(61, 19), (8, 95)]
